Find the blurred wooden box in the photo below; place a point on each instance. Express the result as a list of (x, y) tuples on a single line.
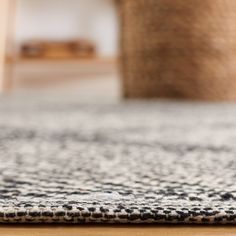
[(58, 50)]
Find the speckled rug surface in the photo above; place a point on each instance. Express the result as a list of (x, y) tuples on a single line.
[(136, 162)]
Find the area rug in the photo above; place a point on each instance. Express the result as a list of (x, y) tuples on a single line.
[(133, 162)]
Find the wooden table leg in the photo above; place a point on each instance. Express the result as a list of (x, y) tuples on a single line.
[(4, 4), (7, 29)]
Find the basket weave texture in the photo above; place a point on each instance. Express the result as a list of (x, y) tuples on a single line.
[(179, 49)]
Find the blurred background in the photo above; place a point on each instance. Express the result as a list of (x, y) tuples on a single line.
[(61, 44), (75, 45)]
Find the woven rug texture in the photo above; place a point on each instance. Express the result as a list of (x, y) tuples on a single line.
[(134, 162)]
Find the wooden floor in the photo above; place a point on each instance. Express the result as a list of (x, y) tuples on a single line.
[(117, 230), (34, 74)]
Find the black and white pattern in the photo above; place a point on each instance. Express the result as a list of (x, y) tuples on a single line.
[(117, 163)]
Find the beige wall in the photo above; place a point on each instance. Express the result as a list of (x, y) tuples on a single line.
[(4, 4), (66, 19)]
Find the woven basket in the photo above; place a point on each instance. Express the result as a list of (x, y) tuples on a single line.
[(179, 49)]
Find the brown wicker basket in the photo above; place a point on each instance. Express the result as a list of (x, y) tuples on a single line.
[(179, 49)]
